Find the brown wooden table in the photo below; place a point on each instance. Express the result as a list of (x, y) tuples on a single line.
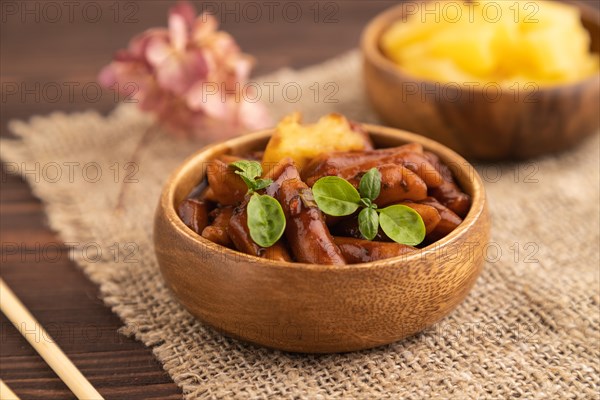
[(49, 44)]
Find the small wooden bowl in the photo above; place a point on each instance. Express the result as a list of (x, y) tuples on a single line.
[(318, 308), (512, 124)]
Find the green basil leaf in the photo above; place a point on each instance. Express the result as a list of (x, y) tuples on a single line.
[(249, 182), (368, 223), (266, 220), (370, 184), (335, 196), (247, 168), (262, 183), (402, 224)]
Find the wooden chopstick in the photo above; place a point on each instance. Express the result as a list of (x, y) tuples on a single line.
[(22, 319), (6, 393)]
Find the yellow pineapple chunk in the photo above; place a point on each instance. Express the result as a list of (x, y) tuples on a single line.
[(439, 70), (333, 132), (472, 53)]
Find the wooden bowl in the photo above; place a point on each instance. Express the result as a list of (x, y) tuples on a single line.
[(487, 124), (318, 308)]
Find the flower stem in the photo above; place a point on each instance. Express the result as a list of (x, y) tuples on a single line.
[(145, 139)]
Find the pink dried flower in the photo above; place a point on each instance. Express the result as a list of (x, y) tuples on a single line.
[(191, 75)]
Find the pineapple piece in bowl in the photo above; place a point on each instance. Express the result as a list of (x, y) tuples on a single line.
[(522, 84), (302, 142)]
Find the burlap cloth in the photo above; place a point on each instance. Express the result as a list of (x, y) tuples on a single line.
[(529, 329)]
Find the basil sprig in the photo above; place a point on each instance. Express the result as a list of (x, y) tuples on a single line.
[(266, 220), (250, 172), (335, 196)]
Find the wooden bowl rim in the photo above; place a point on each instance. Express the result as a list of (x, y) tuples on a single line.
[(369, 44), (167, 200)]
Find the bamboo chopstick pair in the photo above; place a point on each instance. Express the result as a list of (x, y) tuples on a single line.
[(16, 312)]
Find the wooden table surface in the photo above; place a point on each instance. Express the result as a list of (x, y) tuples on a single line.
[(45, 45)]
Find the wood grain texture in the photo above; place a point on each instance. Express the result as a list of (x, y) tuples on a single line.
[(41, 52), (493, 124), (319, 308)]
